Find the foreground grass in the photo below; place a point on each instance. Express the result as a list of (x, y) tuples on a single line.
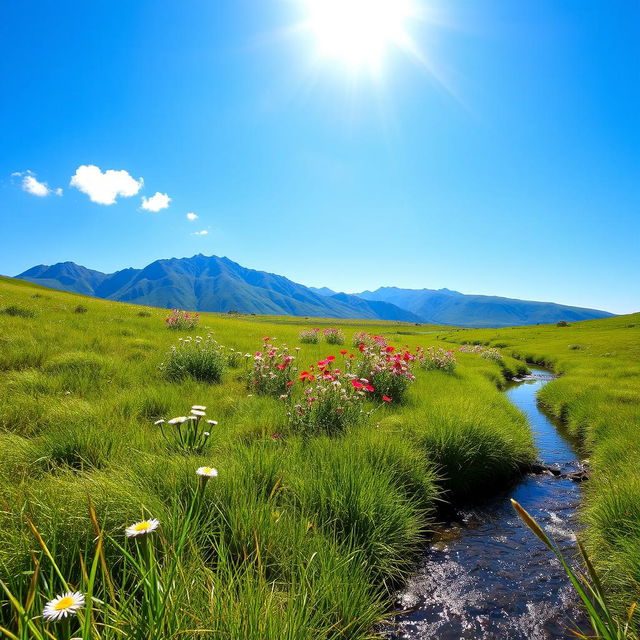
[(296, 538), (598, 398)]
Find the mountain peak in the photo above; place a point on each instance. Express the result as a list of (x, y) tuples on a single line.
[(211, 283)]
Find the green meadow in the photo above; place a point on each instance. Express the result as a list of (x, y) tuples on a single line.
[(300, 535)]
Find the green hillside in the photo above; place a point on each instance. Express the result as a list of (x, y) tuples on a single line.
[(304, 533)]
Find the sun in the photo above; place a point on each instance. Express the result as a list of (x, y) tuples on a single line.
[(359, 33)]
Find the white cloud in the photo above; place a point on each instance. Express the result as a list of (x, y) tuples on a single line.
[(192, 216), (31, 185), (104, 188), (204, 232), (156, 202)]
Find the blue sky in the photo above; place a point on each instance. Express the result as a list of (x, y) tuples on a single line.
[(509, 165)]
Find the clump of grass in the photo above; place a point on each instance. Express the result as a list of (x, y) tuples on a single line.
[(350, 498), (330, 402), (334, 336), (309, 336), (386, 369), (363, 339), (437, 358), (202, 359), (79, 370), (491, 354), (182, 320), (235, 358), (272, 370), (143, 314), (80, 309), (15, 311), (81, 445)]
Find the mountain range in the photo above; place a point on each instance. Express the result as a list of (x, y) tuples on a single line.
[(210, 283)]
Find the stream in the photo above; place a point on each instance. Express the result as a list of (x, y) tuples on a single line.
[(484, 574)]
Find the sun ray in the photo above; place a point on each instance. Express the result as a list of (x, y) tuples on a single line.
[(359, 33)]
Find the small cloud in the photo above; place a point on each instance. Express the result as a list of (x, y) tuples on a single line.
[(105, 187), (156, 202), (31, 185), (204, 232), (192, 216)]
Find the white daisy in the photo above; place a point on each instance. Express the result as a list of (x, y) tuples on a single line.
[(142, 528), (206, 434), (178, 420), (213, 422), (159, 421), (65, 605), (198, 412), (207, 472), (199, 407)]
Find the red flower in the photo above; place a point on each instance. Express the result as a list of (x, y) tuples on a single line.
[(330, 358), (290, 383), (343, 352), (305, 375), (390, 349), (387, 399), (351, 356), (369, 388), (282, 367), (357, 384), (361, 347)]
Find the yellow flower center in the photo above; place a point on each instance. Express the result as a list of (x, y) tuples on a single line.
[(142, 526), (207, 469), (64, 603)]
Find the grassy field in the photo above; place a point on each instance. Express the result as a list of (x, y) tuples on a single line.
[(598, 397), (296, 537), (299, 536)]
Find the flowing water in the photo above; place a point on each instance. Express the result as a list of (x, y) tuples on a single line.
[(485, 575)]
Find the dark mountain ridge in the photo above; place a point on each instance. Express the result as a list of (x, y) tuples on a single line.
[(210, 283), (203, 283)]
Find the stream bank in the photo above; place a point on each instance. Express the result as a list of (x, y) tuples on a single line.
[(484, 574)]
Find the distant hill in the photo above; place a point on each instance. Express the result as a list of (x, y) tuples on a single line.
[(210, 283), (323, 291), (204, 283), (443, 306)]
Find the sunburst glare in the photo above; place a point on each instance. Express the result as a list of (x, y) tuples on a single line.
[(360, 33)]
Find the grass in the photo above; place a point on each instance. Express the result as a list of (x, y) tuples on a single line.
[(298, 537), (598, 398)]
